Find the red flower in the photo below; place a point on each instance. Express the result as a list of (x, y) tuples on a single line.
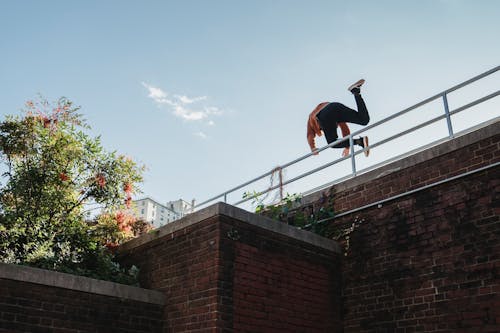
[(120, 217), (63, 177), (100, 180), (127, 188), (124, 221), (128, 201)]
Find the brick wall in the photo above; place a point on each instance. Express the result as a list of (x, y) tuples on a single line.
[(279, 284), (229, 270), (184, 265), (32, 307), (429, 261)]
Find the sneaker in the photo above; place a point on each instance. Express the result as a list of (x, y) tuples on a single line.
[(355, 87), (363, 143)]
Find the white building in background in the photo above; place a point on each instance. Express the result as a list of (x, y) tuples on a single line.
[(180, 206), (159, 214)]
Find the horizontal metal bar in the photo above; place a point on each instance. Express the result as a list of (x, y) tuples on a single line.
[(310, 172), (475, 78), (235, 188), (413, 129), (267, 174), (334, 143), (477, 101)]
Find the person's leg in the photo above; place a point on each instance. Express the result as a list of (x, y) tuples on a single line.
[(328, 119), (363, 116), (334, 113), (348, 115), (362, 110)]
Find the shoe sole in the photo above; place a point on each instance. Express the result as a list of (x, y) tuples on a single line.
[(367, 147), (356, 85)]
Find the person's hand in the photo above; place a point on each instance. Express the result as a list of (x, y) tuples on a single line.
[(345, 152), (314, 151)]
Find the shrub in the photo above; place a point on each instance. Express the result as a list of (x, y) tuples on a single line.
[(54, 175)]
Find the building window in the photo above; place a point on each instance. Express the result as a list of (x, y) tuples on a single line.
[(142, 211)]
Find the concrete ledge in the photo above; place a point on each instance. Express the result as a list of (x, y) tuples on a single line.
[(170, 228), (221, 208), (79, 283), (278, 227)]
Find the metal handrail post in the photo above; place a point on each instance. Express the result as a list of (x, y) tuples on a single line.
[(447, 114), (353, 157)]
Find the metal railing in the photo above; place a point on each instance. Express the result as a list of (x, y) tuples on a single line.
[(352, 156)]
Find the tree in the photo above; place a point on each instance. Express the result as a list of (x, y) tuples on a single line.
[(54, 174)]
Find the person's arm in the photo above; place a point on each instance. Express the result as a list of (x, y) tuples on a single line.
[(345, 132), (313, 128), (310, 139), (345, 129)]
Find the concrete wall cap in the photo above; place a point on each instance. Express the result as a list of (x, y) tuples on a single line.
[(79, 283), (277, 227)]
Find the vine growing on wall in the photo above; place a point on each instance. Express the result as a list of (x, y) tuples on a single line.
[(291, 210)]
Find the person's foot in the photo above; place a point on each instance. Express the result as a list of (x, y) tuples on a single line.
[(363, 143), (355, 87)]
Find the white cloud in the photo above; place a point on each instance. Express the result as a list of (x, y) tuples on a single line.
[(187, 114), (210, 123), (186, 100), (213, 110), (187, 108), (201, 135), (158, 95)]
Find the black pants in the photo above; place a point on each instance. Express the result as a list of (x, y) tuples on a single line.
[(335, 113)]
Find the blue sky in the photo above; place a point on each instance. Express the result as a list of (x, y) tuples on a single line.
[(209, 94)]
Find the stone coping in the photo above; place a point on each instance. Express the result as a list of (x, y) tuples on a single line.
[(79, 283), (462, 139), (242, 215)]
